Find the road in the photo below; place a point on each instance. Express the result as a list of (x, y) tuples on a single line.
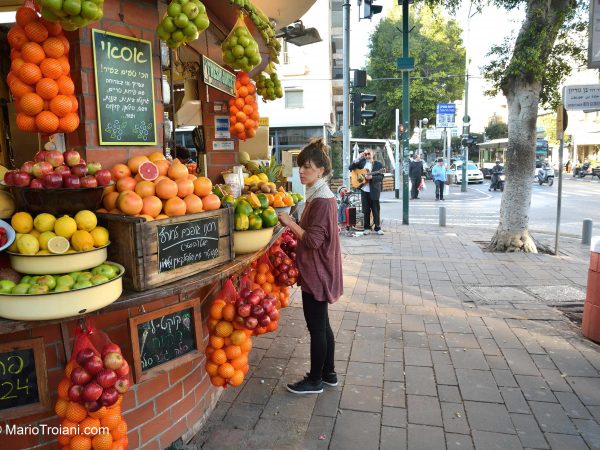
[(480, 208)]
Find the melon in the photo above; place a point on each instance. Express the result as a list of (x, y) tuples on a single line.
[(148, 171), (7, 205), (244, 157)]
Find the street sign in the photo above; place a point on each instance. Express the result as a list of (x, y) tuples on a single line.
[(405, 64), (445, 113), (582, 97), (433, 134), (594, 36)]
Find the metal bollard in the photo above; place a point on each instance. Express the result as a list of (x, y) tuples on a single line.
[(586, 232), (442, 219)]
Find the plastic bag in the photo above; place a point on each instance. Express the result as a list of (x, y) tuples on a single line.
[(228, 292), (422, 186), (240, 50)]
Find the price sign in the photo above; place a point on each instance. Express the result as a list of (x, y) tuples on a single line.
[(445, 113), (23, 379)]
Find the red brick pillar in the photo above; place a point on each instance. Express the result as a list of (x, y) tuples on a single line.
[(591, 309)]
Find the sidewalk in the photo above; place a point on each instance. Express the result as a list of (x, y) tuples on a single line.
[(438, 345)]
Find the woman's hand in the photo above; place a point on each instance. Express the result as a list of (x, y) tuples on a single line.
[(285, 219)]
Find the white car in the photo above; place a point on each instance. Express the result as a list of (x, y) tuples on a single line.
[(474, 175)]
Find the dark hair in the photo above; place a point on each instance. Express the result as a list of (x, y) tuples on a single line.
[(440, 160), (182, 153), (316, 151)]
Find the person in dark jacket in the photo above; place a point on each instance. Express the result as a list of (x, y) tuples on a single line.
[(415, 172), (371, 190)]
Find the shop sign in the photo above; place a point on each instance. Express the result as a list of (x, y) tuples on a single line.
[(23, 378), (218, 77), (165, 338), (124, 89), (222, 127), (223, 145), (263, 121)]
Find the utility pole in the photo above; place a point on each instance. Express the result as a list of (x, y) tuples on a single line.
[(466, 118), (397, 157), (405, 112), (346, 94)]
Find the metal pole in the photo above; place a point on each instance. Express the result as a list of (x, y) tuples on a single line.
[(420, 134), (442, 216), (447, 146), (346, 94), (466, 127), (586, 232), (405, 113), (559, 199), (397, 156)]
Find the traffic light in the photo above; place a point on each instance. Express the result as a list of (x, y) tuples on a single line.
[(359, 113), (369, 9), (468, 141)]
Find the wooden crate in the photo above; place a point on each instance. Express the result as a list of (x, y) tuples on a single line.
[(134, 244)]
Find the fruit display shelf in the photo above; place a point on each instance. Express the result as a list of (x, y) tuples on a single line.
[(57, 201), (59, 305), (250, 241), (58, 263)]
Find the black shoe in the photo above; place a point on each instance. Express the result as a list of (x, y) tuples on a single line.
[(329, 379), (306, 386)]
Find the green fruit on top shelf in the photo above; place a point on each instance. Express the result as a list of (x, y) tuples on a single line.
[(177, 36), (38, 289), (71, 7), (181, 20), (99, 279), (47, 280), (201, 21), (174, 9), (107, 270), (190, 30), (55, 5), (21, 288), (65, 280), (82, 284), (168, 24), (49, 14), (89, 10), (6, 286), (26, 279), (241, 222), (191, 10), (243, 207)]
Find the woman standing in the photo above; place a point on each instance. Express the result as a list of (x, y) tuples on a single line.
[(319, 260), (438, 172)]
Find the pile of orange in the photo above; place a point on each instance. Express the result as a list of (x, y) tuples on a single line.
[(243, 110), (39, 77), (228, 347), (154, 188), (280, 199), (82, 429), (261, 277)]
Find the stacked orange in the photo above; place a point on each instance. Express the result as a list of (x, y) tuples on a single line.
[(154, 188), (228, 347), (83, 429), (243, 110), (39, 77), (263, 278)]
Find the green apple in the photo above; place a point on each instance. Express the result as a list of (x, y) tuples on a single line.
[(82, 284), (71, 7), (181, 20), (6, 286), (65, 281), (75, 275), (54, 5), (26, 279), (177, 36), (162, 33), (63, 288), (183, 2), (99, 14), (201, 22), (191, 10), (190, 30), (174, 9), (34, 279), (85, 276), (79, 21), (169, 25), (21, 288), (99, 279), (105, 269), (47, 280), (38, 289), (89, 10)]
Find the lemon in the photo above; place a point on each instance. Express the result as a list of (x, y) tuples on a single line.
[(13, 247), (247, 181), (22, 222), (28, 245), (86, 220), (58, 245), (263, 177), (43, 252), (82, 240), (65, 227), (35, 233), (44, 222), (100, 236), (44, 238)]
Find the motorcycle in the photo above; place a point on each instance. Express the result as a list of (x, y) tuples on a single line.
[(545, 175), (498, 180), (582, 171)]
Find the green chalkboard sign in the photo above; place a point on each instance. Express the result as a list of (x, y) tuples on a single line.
[(124, 89)]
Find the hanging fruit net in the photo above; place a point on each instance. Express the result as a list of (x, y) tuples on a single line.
[(183, 22), (240, 50)]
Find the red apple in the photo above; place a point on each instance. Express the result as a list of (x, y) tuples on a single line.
[(110, 348), (89, 181), (9, 179), (253, 299), (94, 365), (40, 156), (113, 360), (21, 178), (82, 161), (27, 166), (106, 378), (62, 171), (41, 168), (245, 292), (55, 158), (261, 294), (251, 323), (92, 391), (264, 320), (93, 167), (79, 169), (52, 180), (80, 376), (274, 315), (36, 184), (109, 397), (103, 176), (72, 157), (84, 356), (71, 181), (123, 371), (257, 311), (244, 310), (75, 393), (92, 406), (122, 385)]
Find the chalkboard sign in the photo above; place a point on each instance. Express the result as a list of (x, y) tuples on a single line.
[(124, 89), (187, 243), (23, 379), (165, 338)]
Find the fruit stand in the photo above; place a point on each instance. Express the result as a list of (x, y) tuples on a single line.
[(130, 284)]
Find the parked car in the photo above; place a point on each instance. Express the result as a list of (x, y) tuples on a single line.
[(474, 175)]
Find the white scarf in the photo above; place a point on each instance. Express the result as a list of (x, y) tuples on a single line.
[(319, 190)]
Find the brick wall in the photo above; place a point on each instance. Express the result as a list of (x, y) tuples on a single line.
[(158, 411)]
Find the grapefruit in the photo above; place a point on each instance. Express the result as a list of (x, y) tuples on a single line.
[(148, 171), (135, 162), (193, 204)]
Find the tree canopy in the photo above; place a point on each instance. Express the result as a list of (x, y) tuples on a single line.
[(497, 130), (436, 45)]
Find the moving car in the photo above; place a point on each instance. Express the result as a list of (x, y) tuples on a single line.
[(474, 175)]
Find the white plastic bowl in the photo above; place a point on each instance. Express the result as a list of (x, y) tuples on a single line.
[(10, 234), (57, 264)]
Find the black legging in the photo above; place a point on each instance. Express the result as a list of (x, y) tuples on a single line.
[(322, 342)]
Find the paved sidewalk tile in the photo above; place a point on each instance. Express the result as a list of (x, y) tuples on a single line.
[(355, 429), (424, 437), (489, 417)]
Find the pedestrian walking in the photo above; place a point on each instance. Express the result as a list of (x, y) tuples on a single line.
[(319, 260), (439, 178), (371, 190), (415, 173)]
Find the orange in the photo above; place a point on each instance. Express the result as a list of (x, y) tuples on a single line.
[(263, 268), (238, 337), (152, 206), (65, 85), (229, 312), (26, 123), (63, 388), (119, 171), (64, 63), (239, 103), (74, 102), (166, 189), (240, 117), (156, 156), (47, 122), (208, 351), (120, 431), (163, 167), (31, 104), (244, 79), (53, 47), (249, 100), (75, 412), (51, 68), (193, 204), (47, 88), (223, 328), (267, 287), (177, 170), (211, 368), (248, 109), (216, 341), (272, 326), (217, 381), (69, 368), (246, 345), (65, 42), (61, 105), (135, 162), (242, 92), (185, 186), (130, 203), (233, 352), (202, 186), (89, 426), (174, 207), (33, 52), (36, 31), (25, 15), (17, 37), (112, 418), (211, 323), (69, 123), (240, 362), (110, 200), (126, 184), (251, 90), (54, 29), (29, 73), (261, 278), (80, 443), (68, 428), (251, 132), (211, 202), (60, 408), (219, 357), (102, 441), (145, 188), (237, 378), (226, 370), (18, 88)]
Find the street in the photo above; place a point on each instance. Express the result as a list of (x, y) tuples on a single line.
[(478, 207)]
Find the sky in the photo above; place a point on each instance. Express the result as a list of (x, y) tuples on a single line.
[(486, 29)]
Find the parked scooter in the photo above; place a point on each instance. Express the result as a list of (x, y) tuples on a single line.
[(545, 175), (498, 179)]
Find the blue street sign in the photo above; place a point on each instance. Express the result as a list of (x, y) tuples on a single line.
[(445, 113)]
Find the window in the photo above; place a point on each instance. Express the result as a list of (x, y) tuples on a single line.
[(294, 98)]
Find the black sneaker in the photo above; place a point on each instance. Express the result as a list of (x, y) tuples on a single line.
[(306, 386), (328, 379)]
